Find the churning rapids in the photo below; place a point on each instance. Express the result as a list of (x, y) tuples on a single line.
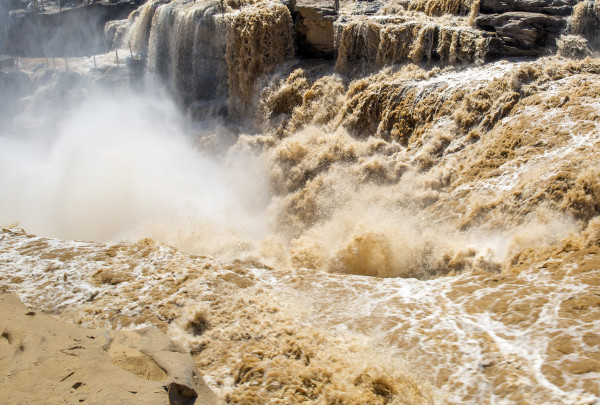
[(408, 223)]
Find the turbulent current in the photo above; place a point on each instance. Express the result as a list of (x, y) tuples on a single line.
[(408, 223)]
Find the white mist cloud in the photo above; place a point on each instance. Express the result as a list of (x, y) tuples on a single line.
[(122, 167)]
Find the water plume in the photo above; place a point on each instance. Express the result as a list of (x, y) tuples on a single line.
[(573, 46), (372, 246), (120, 166), (408, 142)]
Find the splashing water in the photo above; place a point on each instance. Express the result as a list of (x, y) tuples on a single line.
[(415, 234)]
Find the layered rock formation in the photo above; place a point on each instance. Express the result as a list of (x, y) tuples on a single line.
[(525, 28), (187, 42), (211, 53), (504, 28), (313, 24), (58, 33)]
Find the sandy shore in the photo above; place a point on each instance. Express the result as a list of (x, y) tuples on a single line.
[(45, 360)]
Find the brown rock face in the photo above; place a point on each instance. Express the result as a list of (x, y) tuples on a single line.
[(551, 7), (512, 27), (314, 28), (523, 33)]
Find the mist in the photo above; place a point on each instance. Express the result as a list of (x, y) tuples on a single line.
[(125, 165)]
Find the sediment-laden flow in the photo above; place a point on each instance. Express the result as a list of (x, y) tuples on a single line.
[(405, 173), (443, 148), (199, 47), (402, 39), (418, 234)]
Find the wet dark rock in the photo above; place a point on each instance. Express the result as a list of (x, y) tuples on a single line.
[(516, 27), (13, 86), (7, 6), (369, 7), (314, 24), (314, 28), (551, 7), (74, 31), (521, 33)]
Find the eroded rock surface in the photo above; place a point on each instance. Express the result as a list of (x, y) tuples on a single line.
[(551, 7), (514, 27), (314, 28), (523, 33)]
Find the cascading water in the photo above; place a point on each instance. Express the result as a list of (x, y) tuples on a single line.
[(409, 223), (408, 41), (198, 47)]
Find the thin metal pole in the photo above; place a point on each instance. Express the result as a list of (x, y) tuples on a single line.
[(95, 67), (117, 56)]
